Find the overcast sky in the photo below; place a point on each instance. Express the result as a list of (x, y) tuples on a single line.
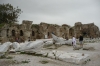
[(58, 11)]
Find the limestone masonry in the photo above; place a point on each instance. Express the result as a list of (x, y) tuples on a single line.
[(29, 31)]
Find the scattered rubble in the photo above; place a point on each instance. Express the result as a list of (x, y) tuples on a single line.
[(35, 48)]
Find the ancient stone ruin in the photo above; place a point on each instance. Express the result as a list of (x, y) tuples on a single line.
[(28, 31), (88, 30)]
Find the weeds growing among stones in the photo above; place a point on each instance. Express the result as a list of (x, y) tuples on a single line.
[(25, 61), (43, 62), (5, 57)]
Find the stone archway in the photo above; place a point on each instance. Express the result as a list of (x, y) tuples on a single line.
[(33, 33), (85, 32), (71, 32), (21, 33), (48, 34), (13, 32), (7, 32)]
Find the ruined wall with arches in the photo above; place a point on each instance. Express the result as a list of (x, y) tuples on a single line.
[(27, 30), (87, 30)]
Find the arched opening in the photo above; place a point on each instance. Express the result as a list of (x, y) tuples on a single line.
[(84, 34), (48, 33), (7, 32), (0, 33), (71, 32), (21, 33), (13, 32), (33, 33)]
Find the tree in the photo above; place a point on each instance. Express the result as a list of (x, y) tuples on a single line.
[(8, 13)]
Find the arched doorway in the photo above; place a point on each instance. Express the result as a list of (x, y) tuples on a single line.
[(13, 32), (21, 33), (71, 32), (48, 34), (7, 32), (33, 33)]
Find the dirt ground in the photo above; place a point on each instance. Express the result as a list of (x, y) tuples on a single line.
[(30, 60)]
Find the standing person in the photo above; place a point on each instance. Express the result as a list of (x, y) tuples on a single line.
[(18, 39), (74, 42), (81, 41), (28, 38)]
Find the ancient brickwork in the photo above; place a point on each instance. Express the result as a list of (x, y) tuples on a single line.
[(27, 30), (87, 30)]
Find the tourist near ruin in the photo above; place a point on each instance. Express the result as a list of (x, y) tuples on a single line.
[(37, 40), (49, 33)]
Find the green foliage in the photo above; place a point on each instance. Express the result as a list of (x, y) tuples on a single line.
[(25, 61), (35, 26), (8, 13), (37, 54), (4, 57), (89, 60), (22, 52), (43, 62), (9, 57), (1, 25)]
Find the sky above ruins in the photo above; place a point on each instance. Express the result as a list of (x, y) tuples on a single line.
[(58, 11)]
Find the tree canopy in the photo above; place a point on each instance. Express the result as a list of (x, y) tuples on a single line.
[(8, 13)]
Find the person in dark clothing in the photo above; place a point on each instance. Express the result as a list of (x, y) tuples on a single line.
[(28, 38), (81, 41)]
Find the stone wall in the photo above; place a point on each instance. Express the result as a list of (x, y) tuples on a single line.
[(87, 30), (27, 30)]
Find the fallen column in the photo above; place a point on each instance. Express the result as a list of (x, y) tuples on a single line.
[(77, 58)]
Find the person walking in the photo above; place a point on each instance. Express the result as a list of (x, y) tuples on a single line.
[(74, 42), (81, 41)]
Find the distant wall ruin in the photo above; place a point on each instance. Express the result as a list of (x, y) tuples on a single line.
[(27, 30)]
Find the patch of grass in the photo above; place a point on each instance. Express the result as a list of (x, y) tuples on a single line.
[(25, 61), (22, 52), (1, 25), (9, 57), (27, 53), (43, 62), (31, 53), (4, 57), (37, 54), (89, 60), (15, 62)]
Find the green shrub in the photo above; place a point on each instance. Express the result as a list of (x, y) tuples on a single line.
[(44, 62), (25, 61)]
